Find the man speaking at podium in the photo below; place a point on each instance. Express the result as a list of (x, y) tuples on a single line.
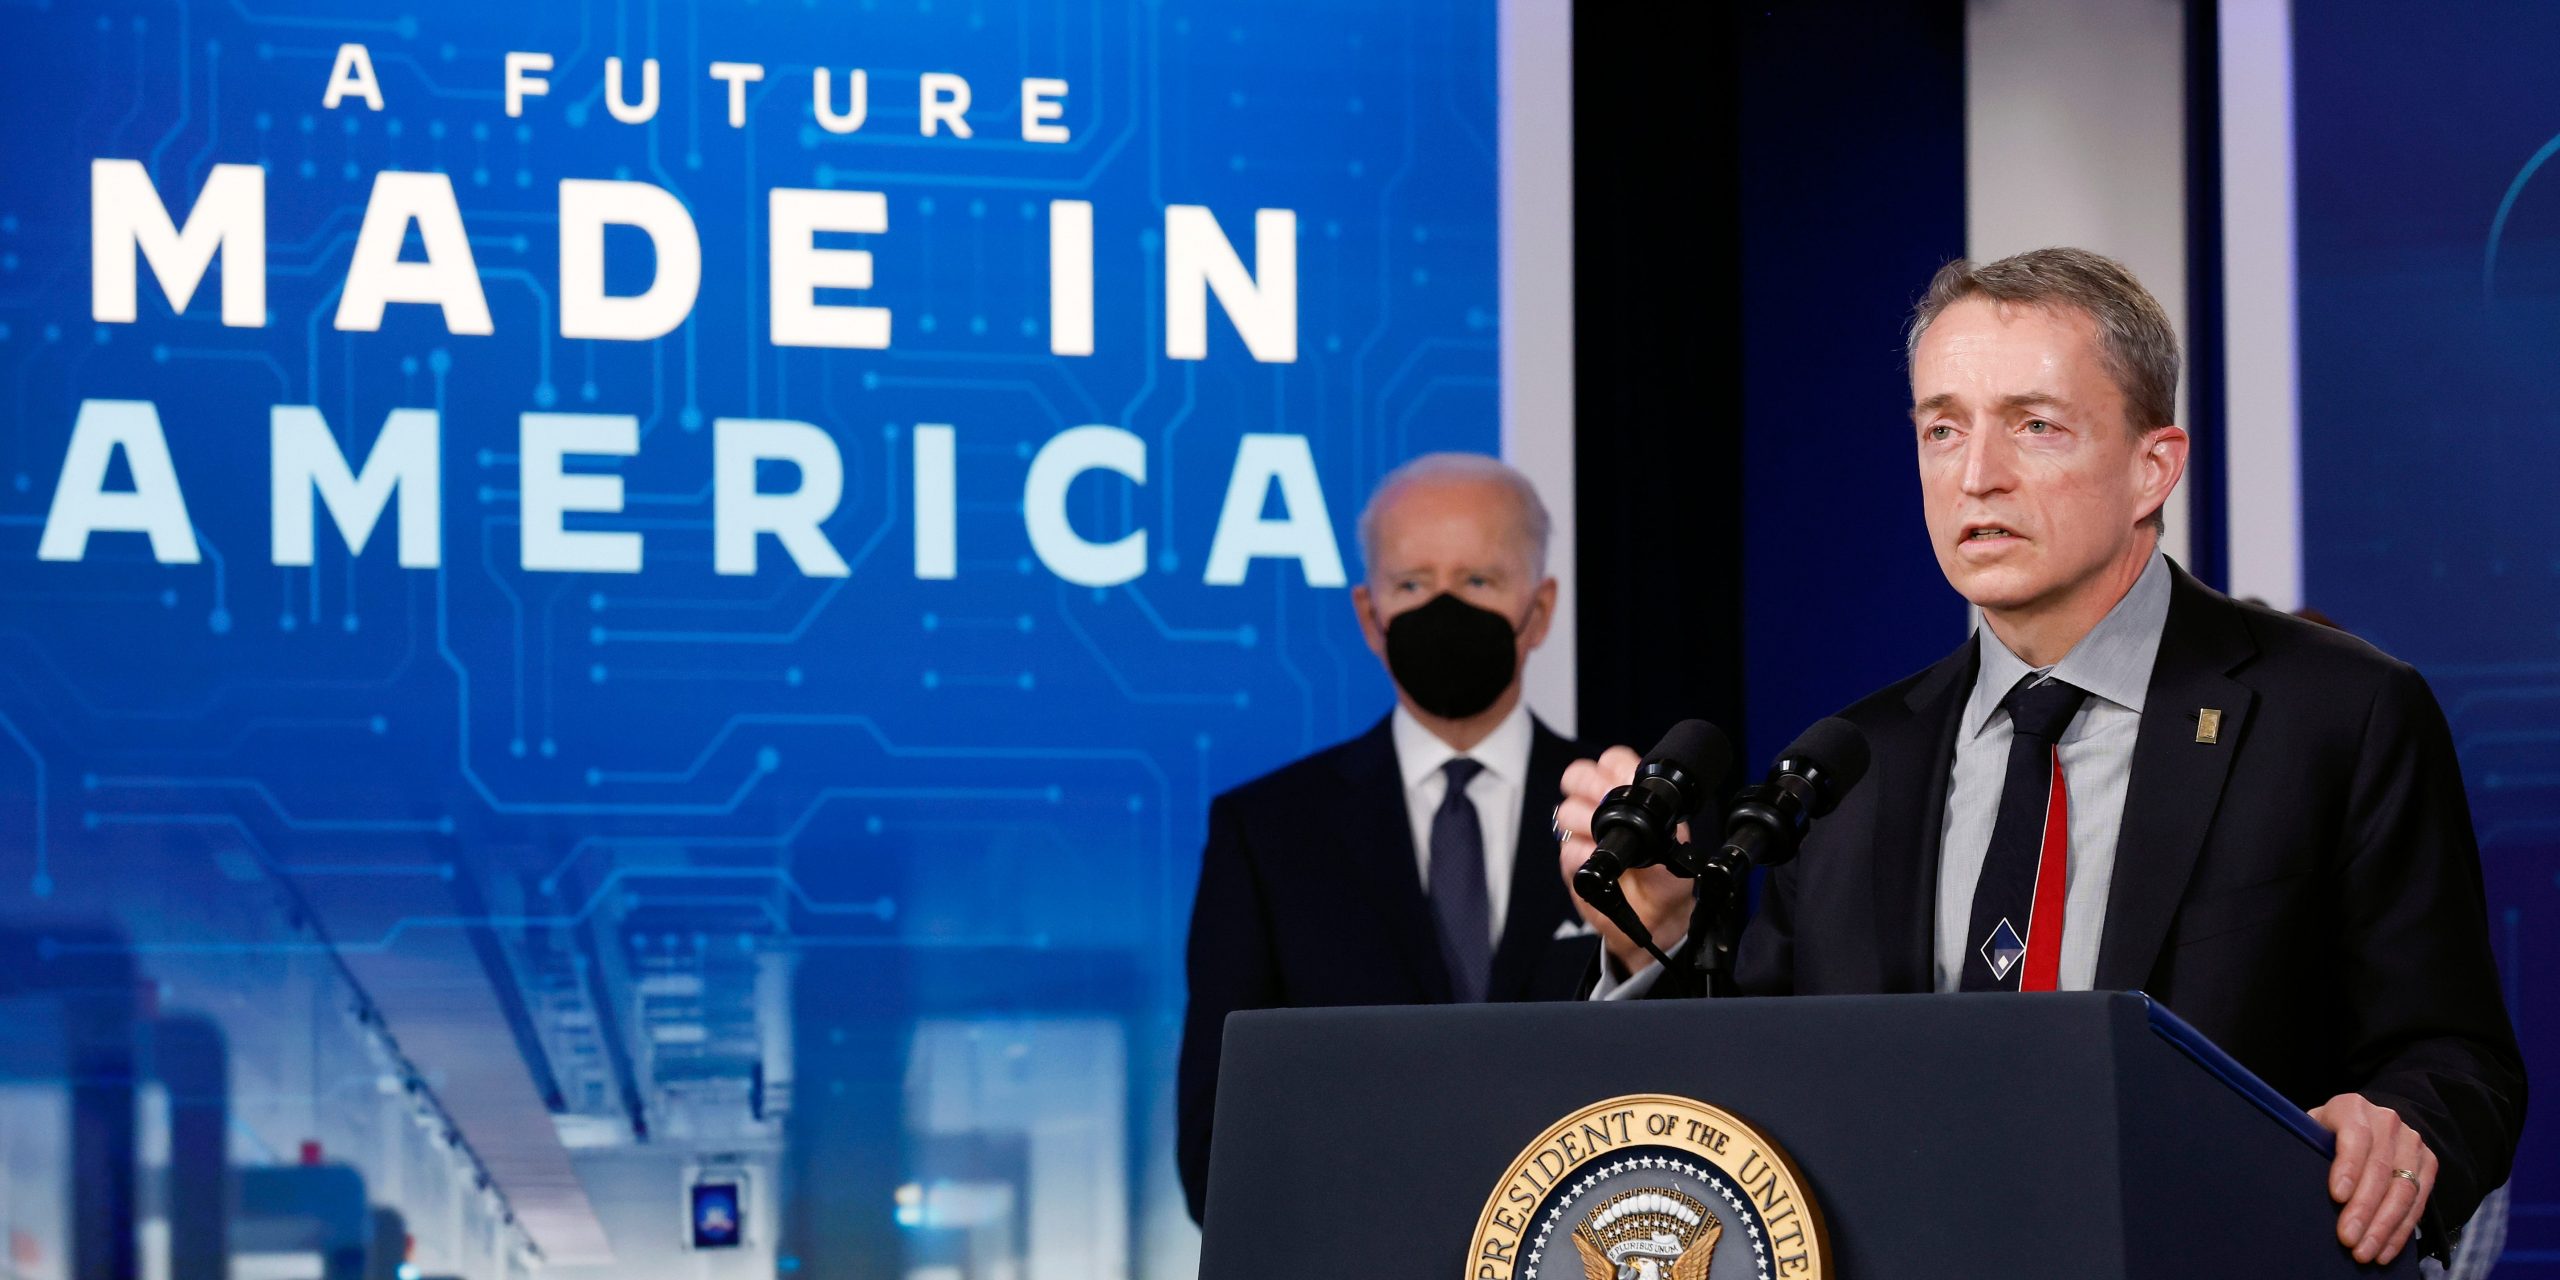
[(1408, 865), (2126, 780)]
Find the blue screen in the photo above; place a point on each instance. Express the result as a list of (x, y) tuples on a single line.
[(716, 1220), (2430, 306), (548, 826)]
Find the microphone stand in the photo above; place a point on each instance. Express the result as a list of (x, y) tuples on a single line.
[(1762, 827), (1716, 874), (1715, 930)]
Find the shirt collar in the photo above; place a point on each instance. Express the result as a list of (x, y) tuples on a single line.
[(1504, 753), (2112, 662)]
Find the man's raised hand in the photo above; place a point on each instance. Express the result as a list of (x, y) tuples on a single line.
[(1660, 898)]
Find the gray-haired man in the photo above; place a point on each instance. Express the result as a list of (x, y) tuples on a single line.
[(1410, 864), (2127, 780)]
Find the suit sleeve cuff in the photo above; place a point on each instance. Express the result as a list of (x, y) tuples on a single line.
[(1616, 985)]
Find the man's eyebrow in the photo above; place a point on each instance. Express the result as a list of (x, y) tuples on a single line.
[(2029, 399), (2020, 400)]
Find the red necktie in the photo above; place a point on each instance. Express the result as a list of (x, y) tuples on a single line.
[(2053, 878)]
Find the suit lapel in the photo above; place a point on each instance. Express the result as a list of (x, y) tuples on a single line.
[(1538, 902), (1913, 757), (1384, 868), (2176, 783)]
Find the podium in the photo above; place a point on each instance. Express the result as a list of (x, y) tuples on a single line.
[(2083, 1135)]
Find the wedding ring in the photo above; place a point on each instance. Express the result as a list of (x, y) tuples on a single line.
[(2410, 1174)]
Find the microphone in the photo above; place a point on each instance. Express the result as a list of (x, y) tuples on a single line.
[(1767, 822), (1633, 825)]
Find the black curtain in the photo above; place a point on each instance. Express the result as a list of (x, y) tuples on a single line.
[(1760, 192), (1657, 369)]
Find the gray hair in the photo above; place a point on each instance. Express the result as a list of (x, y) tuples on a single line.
[(1533, 522), (2135, 339), (2136, 342)]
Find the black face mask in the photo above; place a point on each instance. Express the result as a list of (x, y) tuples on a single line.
[(1453, 658)]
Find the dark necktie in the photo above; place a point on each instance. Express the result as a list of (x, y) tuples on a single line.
[(2015, 943), (1458, 899)]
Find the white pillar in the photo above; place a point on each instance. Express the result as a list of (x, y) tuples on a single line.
[(2075, 134), (1536, 39), (2263, 383)]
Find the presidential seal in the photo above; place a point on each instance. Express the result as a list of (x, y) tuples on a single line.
[(1650, 1187)]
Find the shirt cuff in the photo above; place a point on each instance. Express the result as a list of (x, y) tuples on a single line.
[(1634, 985)]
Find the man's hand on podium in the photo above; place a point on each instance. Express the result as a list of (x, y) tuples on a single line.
[(1660, 898), (2376, 1148)]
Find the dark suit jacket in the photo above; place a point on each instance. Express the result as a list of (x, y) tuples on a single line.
[(2305, 891), (1310, 894)]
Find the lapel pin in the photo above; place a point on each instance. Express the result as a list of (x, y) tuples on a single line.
[(2208, 724)]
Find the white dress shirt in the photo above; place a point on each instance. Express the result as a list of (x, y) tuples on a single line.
[(1495, 792), (2113, 662)]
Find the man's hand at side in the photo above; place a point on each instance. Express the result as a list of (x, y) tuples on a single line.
[(2381, 1207), (1660, 898)]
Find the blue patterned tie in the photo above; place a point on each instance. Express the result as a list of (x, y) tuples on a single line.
[(1458, 898)]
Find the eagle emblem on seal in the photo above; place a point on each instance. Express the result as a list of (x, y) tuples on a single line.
[(1652, 1234)]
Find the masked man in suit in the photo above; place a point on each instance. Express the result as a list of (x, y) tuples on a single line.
[(2126, 780), (1414, 863)]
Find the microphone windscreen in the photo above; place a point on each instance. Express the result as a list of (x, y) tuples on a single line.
[(1837, 748), (1699, 748)]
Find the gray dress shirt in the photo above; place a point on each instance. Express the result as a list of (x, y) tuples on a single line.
[(2113, 662)]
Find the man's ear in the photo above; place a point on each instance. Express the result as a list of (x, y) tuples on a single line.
[(1542, 615), (1368, 621), (2162, 462)]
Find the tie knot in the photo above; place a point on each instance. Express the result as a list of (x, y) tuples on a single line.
[(1460, 772), (2042, 710)]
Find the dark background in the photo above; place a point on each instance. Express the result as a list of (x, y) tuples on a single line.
[(1731, 327)]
